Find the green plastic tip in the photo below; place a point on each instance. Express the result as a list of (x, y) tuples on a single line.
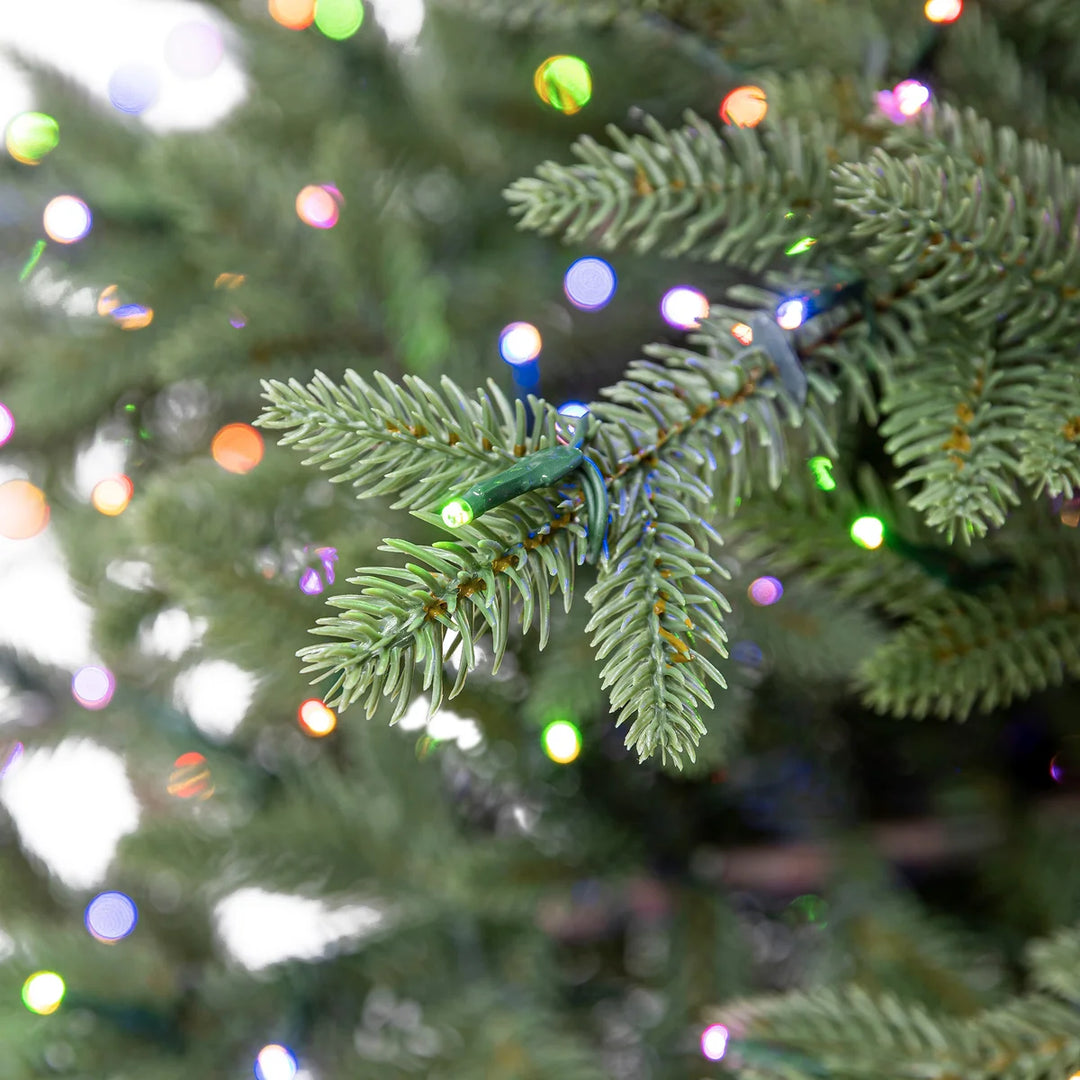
[(457, 513), (820, 467), (805, 244)]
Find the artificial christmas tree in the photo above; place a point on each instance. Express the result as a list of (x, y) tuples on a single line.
[(857, 419)]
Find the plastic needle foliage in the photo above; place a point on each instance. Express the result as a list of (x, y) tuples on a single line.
[(940, 305)]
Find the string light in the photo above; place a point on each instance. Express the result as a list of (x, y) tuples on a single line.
[(805, 244), (275, 1062), (194, 49), (23, 510), (743, 333), (67, 219), (190, 777), (519, 343), (7, 424), (92, 686), (745, 106), (562, 741), (589, 283), (791, 314), (764, 591), (684, 308), (111, 916), (338, 19), (133, 88), (107, 302), (30, 136), (112, 495), (868, 532), (43, 992), (237, 448), (943, 11), (910, 96), (293, 14), (317, 718), (133, 316), (564, 83), (317, 205), (714, 1041)]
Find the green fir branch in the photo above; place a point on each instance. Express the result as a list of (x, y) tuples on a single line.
[(694, 191), (652, 441), (657, 594), (963, 652), (851, 1034), (1054, 963), (958, 416)]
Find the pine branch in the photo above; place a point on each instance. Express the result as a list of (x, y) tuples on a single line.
[(697, 192), (850, 1034), (658, 593), (652, 442), (1054, 963), (961, 652), (959, 414)]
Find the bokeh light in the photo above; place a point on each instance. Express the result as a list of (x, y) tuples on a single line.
[(92, 686), (714, 1041), (589, 283), (868, 532), (310, 582), (112, 495), (943, 11), (791, 314), (30, 136), (194, 49), (111, 916), (339, 19), (562, 741), (237, 448), (23, 510), (684, 308), (107, 302), (519, 343), (190, 778), (764, 591), (747, 652), (229, 281), (821, 468), (293, 14), (573, 409), (743, 334), (133, 88), (7, 424), (275, 1062), (67, 219), (910, 96), (316, 718), (43, 992), (237, 320), (1057, 770), (745, 106), (317, 206), (801, 246), (564, 83), (133, 316)]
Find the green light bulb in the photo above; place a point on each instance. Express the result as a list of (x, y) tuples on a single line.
[(805, 244), (868, 532), (456, 513)]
